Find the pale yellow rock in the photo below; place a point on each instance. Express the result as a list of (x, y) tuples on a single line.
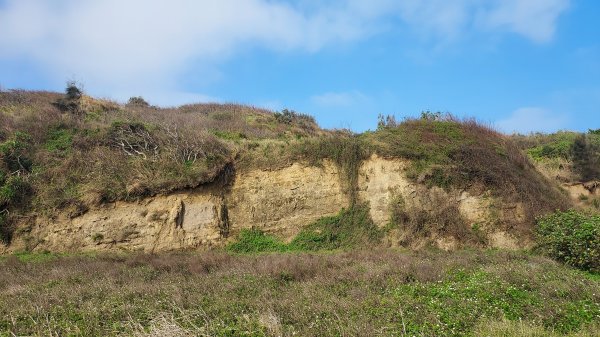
[(283, 201), (380, 181)]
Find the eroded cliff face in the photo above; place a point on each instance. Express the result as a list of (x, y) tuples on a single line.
[(279, 202), (384, 186)]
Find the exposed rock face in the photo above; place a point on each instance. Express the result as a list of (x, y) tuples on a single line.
[(279, 202), (284, 201), (155, 224)]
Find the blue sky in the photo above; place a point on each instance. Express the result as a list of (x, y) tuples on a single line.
[(519, 65)]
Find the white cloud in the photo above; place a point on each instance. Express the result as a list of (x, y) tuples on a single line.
[(534, 19), (145, 46), (532, 119), (339, 99)]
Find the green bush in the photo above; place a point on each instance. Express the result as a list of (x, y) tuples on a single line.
[(255, 241), (14, 190), (571, 237), (13, 151)]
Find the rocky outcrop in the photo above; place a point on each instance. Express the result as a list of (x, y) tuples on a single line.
[(280, 202)]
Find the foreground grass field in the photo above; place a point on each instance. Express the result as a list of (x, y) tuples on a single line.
[(361, 293)]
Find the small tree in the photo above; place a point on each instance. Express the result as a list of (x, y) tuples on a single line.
[(71, 101), (73, 91)]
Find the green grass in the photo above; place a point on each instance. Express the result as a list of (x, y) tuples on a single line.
[(256, 241), (350, 228), (359, 293)]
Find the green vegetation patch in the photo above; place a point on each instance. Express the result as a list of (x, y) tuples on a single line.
[(351, 228), (59, 141), (571, 237), (452, 306), (557, 145), (256, 241)]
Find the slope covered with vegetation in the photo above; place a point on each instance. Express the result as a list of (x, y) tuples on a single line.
[(69, 152)]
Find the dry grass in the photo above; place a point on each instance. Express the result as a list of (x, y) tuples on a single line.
[(377, 292)]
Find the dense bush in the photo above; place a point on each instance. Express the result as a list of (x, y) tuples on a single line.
[(137, 101), (571, 237)]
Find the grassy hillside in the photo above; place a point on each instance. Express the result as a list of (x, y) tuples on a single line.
[(70, 152)]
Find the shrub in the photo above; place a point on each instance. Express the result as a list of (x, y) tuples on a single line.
[(13, 152), (71, 101), (585, 158), (59, 141), (137, 101), (73, 91), (571, 237), (5, 228), (14, 190), (290, 116)]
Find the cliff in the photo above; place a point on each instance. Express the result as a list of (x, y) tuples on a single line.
[(98, 175)]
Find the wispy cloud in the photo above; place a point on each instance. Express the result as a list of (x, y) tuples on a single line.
[(532, 119), (339, 99), (534, 19), (144, 46)]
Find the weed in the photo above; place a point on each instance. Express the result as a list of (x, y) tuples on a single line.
[(97, 237)]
